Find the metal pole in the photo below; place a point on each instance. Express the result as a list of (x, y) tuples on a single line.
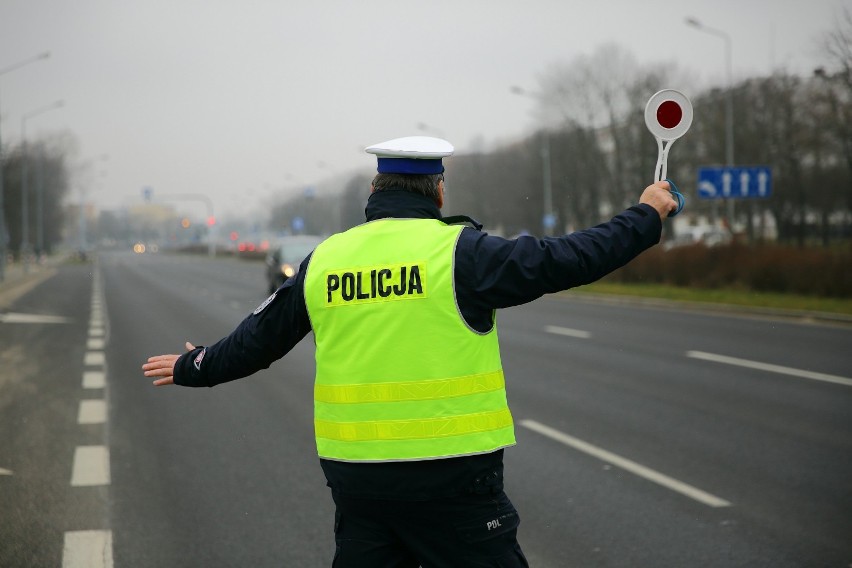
[(40, 206), (729, 120), (547, 183), (211, 245), (547, 220), (82, 224), (25, 224), (2, 214), (729, 101)]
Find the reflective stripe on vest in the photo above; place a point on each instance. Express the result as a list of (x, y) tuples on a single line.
[(400, 376)]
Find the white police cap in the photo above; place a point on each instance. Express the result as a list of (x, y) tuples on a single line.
[(411, 155)]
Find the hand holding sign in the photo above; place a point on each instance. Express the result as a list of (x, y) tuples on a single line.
[(668, 115)]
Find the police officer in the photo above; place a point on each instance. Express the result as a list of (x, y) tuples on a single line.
[(411, 417)]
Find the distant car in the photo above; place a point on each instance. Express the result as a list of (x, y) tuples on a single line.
[(282, 260)]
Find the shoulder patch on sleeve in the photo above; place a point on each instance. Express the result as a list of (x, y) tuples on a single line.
[(265, 303), (199, 358)]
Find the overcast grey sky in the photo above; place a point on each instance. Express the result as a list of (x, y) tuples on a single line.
[(240, 99)]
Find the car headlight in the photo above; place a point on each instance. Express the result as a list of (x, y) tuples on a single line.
[(287, 270)]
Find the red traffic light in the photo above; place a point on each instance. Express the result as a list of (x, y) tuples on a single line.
[(211, 220)]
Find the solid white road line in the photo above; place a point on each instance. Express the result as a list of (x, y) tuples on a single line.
[(91, 466), (92, 412), (4, 471), (770, 367), (627, 465), (31, 318), (87, 549), (567, 331), (94, 379)]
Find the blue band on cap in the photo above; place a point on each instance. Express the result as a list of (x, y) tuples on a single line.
[(410, 166)]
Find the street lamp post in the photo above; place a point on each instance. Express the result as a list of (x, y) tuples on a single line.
[(548, 219), (25, 224), (729, 100), (40, 206), (3, 71)]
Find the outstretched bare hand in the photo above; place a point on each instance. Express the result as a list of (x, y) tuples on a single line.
[(163, 366)]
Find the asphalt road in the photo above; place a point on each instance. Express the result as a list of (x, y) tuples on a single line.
[(646, 436)]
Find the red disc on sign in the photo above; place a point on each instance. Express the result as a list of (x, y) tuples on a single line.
[(669, 114)]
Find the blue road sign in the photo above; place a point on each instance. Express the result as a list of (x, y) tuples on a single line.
[(725, 183)]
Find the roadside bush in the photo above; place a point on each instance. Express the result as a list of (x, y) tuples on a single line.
[(764, 268)]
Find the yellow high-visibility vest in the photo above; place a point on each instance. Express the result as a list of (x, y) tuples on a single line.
[(399, 374)]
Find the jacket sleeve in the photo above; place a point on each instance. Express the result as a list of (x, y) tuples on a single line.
[(493, 272), (265, 336)]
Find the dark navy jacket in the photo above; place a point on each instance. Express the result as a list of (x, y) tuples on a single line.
[(490, 273)]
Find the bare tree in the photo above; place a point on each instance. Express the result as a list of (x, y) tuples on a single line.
[(589, 90), (48, 182), (837, 82), (599, 100)]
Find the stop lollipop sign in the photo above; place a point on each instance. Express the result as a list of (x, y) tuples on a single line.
[(668, 115)]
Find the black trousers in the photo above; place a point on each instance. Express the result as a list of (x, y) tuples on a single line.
[(469, 531)]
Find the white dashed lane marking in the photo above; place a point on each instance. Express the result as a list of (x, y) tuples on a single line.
[(87, 549), (94, 379), (94, 358), (627, 465), (91, 548), (91, 466), (567, 331), (801, 373), (92, 412)]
